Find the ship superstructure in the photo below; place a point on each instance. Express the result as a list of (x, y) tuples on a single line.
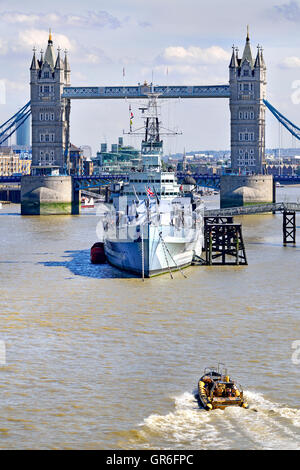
[(151, 177)]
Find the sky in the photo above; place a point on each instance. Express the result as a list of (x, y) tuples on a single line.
[(175, 42)]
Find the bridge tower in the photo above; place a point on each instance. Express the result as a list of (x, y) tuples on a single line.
[(247, 80), (49, 189), (50, 112)]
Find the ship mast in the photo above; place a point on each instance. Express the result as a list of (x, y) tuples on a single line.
[(152, 143)]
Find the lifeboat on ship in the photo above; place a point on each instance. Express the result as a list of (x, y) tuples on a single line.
[(217, 390), (98, 254), (87, 202)]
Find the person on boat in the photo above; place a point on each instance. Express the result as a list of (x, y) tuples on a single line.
[(219, 390), (206, 379), (205, 385), (208, 383), (232, 391)]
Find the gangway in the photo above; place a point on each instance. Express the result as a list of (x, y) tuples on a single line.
[(255, 209)]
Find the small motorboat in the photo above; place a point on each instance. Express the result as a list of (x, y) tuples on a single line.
[(217, 390)]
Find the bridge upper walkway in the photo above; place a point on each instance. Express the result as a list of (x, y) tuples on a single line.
[(142, 91)]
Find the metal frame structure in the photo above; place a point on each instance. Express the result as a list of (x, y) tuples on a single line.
[(224, 244), (289, 227), (255, 209)]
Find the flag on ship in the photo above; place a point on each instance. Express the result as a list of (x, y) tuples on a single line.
[(150, 193), (131, 117)]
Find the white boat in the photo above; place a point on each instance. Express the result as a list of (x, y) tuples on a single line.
[(87, 202), (0, 205), (152, 237)]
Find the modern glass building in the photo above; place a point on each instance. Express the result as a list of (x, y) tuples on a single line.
[(121, 158), (23, 134)]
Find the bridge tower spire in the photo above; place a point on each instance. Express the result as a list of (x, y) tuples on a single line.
[(50, 112), (247, 81)]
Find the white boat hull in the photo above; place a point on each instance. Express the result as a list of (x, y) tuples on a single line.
[(153, 253)]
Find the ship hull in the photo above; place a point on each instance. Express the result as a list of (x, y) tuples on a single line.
[(157, 252)]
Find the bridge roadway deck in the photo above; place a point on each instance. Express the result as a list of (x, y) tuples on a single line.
[(104, 179), (255, 209)]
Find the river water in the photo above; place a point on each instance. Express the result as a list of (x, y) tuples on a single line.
[(97, 359)]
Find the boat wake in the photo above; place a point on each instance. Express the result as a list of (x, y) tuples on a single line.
[(266, 425)]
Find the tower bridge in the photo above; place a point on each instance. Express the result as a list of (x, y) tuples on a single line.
[(51, 95), (50, 106)]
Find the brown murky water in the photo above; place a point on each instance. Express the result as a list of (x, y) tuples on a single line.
[(99, 359)]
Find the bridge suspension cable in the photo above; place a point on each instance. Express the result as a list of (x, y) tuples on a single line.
[(10, 126), (292, 128)]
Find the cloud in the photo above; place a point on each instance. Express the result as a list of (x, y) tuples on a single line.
[(95, 19), (193, 55), (144, 24), (19, 18), (171, 69), (12, 85), (91, 56), (92, 59), (39, 37), (189, 65), (291, 62), (29, 38), (289, 11), (3, 47), (184, 74)]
